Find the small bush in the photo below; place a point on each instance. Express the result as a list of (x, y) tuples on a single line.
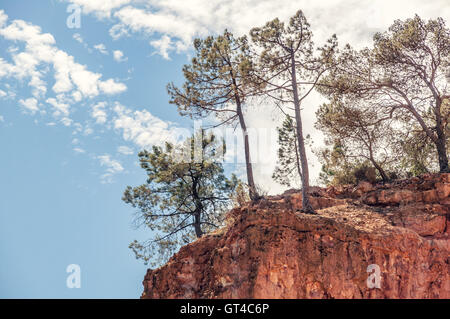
[(365, 173)]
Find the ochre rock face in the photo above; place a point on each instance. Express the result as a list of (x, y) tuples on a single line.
[(271, 249)]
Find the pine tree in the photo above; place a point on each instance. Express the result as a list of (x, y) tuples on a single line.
[(288, 169), (364, 134), (404, 73), (218, 82), (289, 72), (185, 195)]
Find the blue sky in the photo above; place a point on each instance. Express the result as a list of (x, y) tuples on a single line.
[(57, 207), (77, 104)]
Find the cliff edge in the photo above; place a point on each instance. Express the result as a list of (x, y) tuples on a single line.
[(270, 249)]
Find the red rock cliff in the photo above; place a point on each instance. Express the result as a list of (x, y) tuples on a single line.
[(271, 250)]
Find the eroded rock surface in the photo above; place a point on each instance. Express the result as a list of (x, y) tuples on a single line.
[(271, 249)]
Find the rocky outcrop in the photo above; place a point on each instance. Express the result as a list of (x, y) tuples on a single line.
[(271, 249)]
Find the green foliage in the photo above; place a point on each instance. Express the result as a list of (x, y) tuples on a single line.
[(364, 132), (403, 78), (364, 172), (289, 69), (418, 153), (338, 169), (218, 74), (288, 170), (185, 196), (280, 41), (219, 81), (336, 166), (240, 195)]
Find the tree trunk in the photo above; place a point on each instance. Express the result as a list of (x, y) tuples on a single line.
[(306, 204), (441, 139), (377, 166), (248, 163), (198, 208), (442, 154), (381, 171), (249, 168), (297, 159), (197, 225)]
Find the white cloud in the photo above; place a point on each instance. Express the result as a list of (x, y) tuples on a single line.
[(88, 131), (77, 96), (66, 121), (101, 48), (111, 87), (164, 45), (119, 56), (145, 129), (99, 113), (87, 82), (62, 63), (353, 21), (39, 55), (2, 119), (60, 107), (5, 68), (79, 150), (78, 37), (101, 9), (125, 150), (167, 23), (3, 18), (117, 31), (29, 105), (112, 167)]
